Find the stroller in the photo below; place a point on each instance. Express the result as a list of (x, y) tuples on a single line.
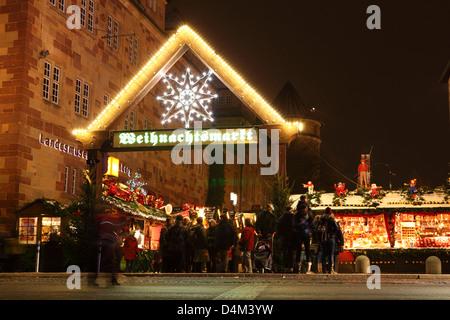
[(262, 255)]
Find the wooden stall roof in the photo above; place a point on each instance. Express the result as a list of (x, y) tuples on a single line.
[(390, 201), (42, 206), (136, 209)]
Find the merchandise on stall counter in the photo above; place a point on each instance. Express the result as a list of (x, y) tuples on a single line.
[(364, 232), (423, 231), (411, 231)]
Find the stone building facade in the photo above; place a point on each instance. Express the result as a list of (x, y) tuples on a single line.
[(56, 78)]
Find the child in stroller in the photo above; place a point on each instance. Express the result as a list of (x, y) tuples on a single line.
[(262, 255)]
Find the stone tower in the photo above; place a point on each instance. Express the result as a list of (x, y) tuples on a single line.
[(303, 153)]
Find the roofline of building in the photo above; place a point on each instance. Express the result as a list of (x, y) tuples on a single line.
[(183, 40)]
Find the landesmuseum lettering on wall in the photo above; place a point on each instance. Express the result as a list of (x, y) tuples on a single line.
[(63, 147)]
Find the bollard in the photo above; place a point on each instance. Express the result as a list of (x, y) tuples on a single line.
[(362, 264), (99, 257), (38, 255), (433, 265)]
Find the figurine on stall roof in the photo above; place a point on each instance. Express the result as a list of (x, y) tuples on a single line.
[(412, 187), (139, 196), (363, 172), (159, 202), (374, 189), (114, 189), (309, 186), (340, 189), (149, 199)]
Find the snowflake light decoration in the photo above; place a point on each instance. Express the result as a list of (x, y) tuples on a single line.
[(187, 97)]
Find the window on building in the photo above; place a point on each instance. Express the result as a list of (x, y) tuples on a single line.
[(147, 124), (47, 77), (133, 50), (228, 100), (152, 5), (51, 81), (55, 84), (83, 11), (116, 36), (62, 5), (85, 111), (87, 14), (113, 33), (77, 103), (74, 181), (91, 7), (132, 118), (81, 98), (110, 31), (105, 100), (66, 179)]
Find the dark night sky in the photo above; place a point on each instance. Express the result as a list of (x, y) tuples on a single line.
[(374, 89)]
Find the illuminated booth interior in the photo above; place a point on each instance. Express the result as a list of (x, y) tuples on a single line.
[(389, 222), (38, 221)]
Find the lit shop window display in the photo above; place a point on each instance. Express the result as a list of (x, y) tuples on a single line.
[(364, 232), (411, 231), (422, 230), (39, 220), (50, 225), (28, 230), (393, 219)]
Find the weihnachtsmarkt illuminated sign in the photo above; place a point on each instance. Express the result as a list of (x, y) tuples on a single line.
[(183, 137)]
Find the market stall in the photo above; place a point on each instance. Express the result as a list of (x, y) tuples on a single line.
[(39, 220), (390, 220), (146, 212)]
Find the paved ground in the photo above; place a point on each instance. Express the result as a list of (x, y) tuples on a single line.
[(212, 286), (339, 277)]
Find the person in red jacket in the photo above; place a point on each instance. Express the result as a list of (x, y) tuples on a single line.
[(130, 250), (247, 244)]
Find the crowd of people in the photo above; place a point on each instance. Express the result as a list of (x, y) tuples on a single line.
[(319, 238), (188, 246), (191, 247)]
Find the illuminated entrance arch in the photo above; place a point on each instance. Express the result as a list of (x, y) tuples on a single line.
[(96, 137), (157, 67)]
